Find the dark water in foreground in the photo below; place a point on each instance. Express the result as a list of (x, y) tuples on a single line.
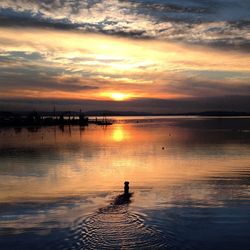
[(190, 179)]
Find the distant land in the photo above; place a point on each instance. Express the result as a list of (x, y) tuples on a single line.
[(132, 113), (129, 113)]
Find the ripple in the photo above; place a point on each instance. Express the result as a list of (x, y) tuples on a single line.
[(115, 227)]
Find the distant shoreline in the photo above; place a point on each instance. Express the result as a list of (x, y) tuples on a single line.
[(126, 113)]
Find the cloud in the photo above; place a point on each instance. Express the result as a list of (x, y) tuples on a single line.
[(55, 63), (151, 50), (217, 23), (205, 87)]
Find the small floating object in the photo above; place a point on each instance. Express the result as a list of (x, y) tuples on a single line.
[(163, 148)]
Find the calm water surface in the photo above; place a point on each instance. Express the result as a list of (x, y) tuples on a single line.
[(190, 179)]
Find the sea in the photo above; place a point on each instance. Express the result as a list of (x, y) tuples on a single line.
[(189, 185)]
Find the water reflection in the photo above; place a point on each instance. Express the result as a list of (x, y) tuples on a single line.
[(118, 133), (53, 180)]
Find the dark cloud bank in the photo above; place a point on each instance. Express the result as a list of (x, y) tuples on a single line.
[(226, 103)]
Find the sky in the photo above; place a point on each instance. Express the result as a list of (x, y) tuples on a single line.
[(131, 55)]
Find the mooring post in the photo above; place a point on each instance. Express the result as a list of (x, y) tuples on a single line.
[(126, 187)]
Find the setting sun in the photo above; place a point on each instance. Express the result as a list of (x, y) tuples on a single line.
[(119, 96)]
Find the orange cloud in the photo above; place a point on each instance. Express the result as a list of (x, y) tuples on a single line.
[(92, 65)]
